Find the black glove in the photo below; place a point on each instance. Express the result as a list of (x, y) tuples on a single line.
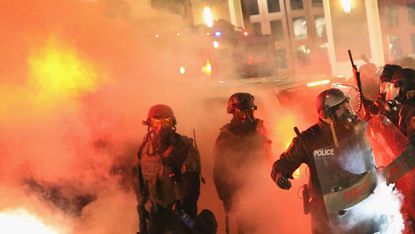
[(281, 180), (370, 106)]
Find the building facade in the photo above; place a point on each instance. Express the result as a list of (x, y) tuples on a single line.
[(313, 36)]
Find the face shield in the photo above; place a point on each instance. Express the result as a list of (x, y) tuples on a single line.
[(344, 113), (384, 87), (392, 92)]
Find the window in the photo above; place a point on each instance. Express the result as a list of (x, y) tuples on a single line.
[(281, 58), (317, 3), (273, 6), (300, 27), (303, 53), (277, 30), (395, 50), (251, 7), (392, 17), (320, 24), (296, 4)]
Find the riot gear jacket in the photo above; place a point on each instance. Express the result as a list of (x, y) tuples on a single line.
[(237, 149), (334, 170), (171, 173)]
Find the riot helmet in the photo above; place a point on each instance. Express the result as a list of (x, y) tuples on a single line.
[(402, 81), (242, 107), (386, 77), (388, 71), (328, 103), (162, 115), (241, 101)]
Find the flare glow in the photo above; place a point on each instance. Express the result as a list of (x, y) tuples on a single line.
[(21, 221), (57, 71)]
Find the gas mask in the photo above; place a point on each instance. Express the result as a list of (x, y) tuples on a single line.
[(244, 115), (160, 126), (344, 118), (343, 112), (243, 121)]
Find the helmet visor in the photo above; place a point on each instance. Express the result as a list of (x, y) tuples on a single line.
[(344, 111), (384, 87), (392, 92)]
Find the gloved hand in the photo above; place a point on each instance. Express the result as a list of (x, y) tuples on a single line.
[(370, 106), (281, 180)]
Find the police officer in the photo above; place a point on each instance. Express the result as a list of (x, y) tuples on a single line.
[(240, 147), (387, 107), (168, 175), (340, 160), (404, 89)]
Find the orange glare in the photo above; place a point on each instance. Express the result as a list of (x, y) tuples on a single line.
[(297, 173), (207, 69), (58, 71), (283, 131), (347, 5), (182, 70), (317, 83), (21, 221)]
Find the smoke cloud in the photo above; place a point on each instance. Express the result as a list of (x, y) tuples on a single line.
[(76, 80)]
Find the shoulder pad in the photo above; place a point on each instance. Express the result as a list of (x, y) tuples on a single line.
[(311, 131), (186, 140)]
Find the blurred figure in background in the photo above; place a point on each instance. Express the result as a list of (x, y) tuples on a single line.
[(381, 104), (404, 90), (241, 146)]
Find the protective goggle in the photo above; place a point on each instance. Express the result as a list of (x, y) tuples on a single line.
[(163, 122), (250, 109)]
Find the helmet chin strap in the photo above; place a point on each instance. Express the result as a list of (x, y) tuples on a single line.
[(331, 121), (333, 134)]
